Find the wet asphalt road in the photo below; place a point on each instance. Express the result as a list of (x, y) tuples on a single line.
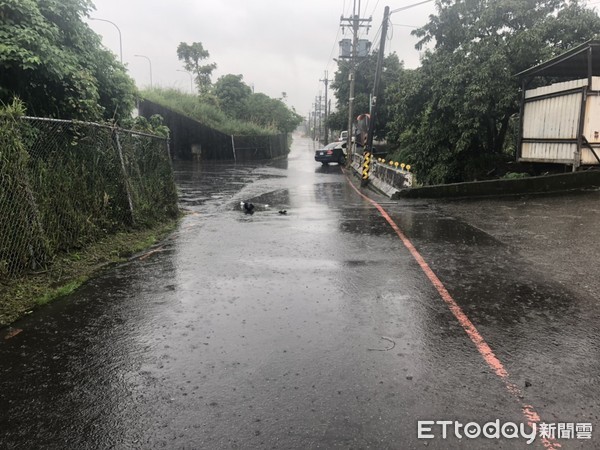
[(314, 329)]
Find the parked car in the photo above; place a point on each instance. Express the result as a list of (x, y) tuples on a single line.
[(334, 152)]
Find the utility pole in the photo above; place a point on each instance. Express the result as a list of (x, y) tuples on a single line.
[(356, 22), (378, 70), (384, 27), (320, 103), (326, 80), (315, 122)]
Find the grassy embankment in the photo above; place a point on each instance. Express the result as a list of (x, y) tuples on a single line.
[(209, 115), (20, 296)]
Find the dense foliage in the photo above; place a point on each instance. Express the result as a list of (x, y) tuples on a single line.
[(229, 105), (365, 78), (237, 101), (56, 64), (453, 118), (232, 94), (271, 112), (194, 106), (66, 184)]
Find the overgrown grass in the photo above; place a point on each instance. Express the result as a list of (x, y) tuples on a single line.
[(206, 113), (61, 291), (515, 176), (69, 271)]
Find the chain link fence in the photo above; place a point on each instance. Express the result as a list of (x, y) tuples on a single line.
[(65, 184)]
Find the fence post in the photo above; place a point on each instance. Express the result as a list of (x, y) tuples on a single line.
[(125, 177), (168, 142), (233, 148)]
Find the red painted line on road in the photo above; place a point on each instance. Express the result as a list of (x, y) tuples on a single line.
[(482, 347)]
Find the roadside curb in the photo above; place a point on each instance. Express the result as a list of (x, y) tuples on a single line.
[(493, 188)]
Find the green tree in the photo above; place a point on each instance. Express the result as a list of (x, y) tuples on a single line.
[(57, 65), (453, 114), (269, 112), (363, 88), (191, 55), (233, 95)]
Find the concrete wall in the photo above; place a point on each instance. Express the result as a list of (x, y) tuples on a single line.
[(394, 186), (549, 183), (191, 139), (386, 179)]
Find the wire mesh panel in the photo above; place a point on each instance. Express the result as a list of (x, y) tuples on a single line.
[(149, 177), (65, 184)]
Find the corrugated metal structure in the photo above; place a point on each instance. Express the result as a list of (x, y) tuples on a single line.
[(560, 122)]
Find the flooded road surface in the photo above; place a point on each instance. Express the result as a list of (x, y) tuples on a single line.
[(318, 328)]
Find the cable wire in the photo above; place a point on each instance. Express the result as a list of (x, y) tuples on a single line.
[(410, 6)]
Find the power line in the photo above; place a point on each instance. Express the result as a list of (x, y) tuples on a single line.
[(375, 39), (335, 42), (408, 26), (349, 11), (375, 7), (410, 6), (366, 7)]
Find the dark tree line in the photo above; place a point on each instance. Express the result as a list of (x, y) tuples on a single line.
[(53, 62), (454, 118)]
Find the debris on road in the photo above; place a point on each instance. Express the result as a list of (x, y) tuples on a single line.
[(383, 349), (12, 333)]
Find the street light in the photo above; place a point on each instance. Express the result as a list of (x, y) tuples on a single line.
[(191, 79), (149, 62), (120, 39)]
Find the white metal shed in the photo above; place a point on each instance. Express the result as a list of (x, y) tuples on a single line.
[(560, 122)]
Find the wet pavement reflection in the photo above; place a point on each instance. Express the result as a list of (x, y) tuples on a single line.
[(310, 329)]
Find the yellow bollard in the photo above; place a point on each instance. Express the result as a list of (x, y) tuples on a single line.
[(365, 167), (396, 164), (408, 167), (402, 166)]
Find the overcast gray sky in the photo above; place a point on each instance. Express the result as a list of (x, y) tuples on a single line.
[(277, 45)]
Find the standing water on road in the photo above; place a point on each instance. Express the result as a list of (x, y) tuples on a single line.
[(311, 329)]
